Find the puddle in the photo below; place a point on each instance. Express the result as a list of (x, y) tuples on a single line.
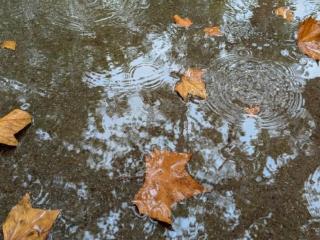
[(98, 77)]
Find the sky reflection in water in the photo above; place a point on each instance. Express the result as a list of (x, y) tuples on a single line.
[(124, 60)]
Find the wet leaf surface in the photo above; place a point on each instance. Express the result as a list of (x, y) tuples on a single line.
[(309, 38), (182, 22), (27, 223), (166, 183), (9, 44), (192, 84), (214, 31), (11, 124), (285, 12)]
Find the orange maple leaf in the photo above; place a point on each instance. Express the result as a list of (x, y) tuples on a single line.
[(182, 22), (214, 31), (252, 110), (309, 38), (11, 124), (166, 183), (25, 222)]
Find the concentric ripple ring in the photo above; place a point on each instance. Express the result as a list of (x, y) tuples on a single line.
[(239, 81), (142, 76)]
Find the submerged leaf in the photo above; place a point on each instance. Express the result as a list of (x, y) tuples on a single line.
[(182, 22), (285, 12), (309, 38), (253, 110), (11, 124), (191, 83), (166, 183), (213, 31), (9, 44), (27, 223)]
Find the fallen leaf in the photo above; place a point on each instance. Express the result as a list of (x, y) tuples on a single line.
[(213, 31), (309, 38), (191, 83), (11, 124), (285, 12), (166, 183), (252, 110), (9, 44), (27, 223), (182, 22)]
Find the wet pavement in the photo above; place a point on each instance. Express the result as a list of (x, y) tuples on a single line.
[(98, 78)]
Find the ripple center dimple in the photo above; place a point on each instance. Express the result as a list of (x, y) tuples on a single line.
[(238, 82)]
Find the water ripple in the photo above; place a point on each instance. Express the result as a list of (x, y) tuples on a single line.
[(238, 81), (311, 193), (147, 76), (7, 84), (82, 16), (144, 76), (236, 18)]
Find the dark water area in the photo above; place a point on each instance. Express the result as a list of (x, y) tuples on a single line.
[(98, 78)]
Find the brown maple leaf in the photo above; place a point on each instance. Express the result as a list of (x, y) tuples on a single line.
[(252, 110), (9, 44), (309, 38), (182, 22), (166, 183), (214, 31), (27, 223), (285, 12), (191, 83), (11, 124)]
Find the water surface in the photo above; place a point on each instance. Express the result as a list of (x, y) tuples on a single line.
[(98, 78)]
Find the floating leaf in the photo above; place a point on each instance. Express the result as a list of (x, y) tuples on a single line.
[(27, 223), (182, 22), (11, 124), (309, 38), (191, 83), (252, 110), (285, 12), (214, 31), (166, 183), (9, 44)]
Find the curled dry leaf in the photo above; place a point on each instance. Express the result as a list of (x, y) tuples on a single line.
[(182, 22), (285, 12), (9, 44), (309, 38), (252, 110), (11, 124), (27, 223), (213, 31), (191, 83), (166, 183)]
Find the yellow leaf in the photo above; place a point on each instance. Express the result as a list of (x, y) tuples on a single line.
[(9, 44), (11, 124), (191, 83), (285, 12), (27, 223)]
